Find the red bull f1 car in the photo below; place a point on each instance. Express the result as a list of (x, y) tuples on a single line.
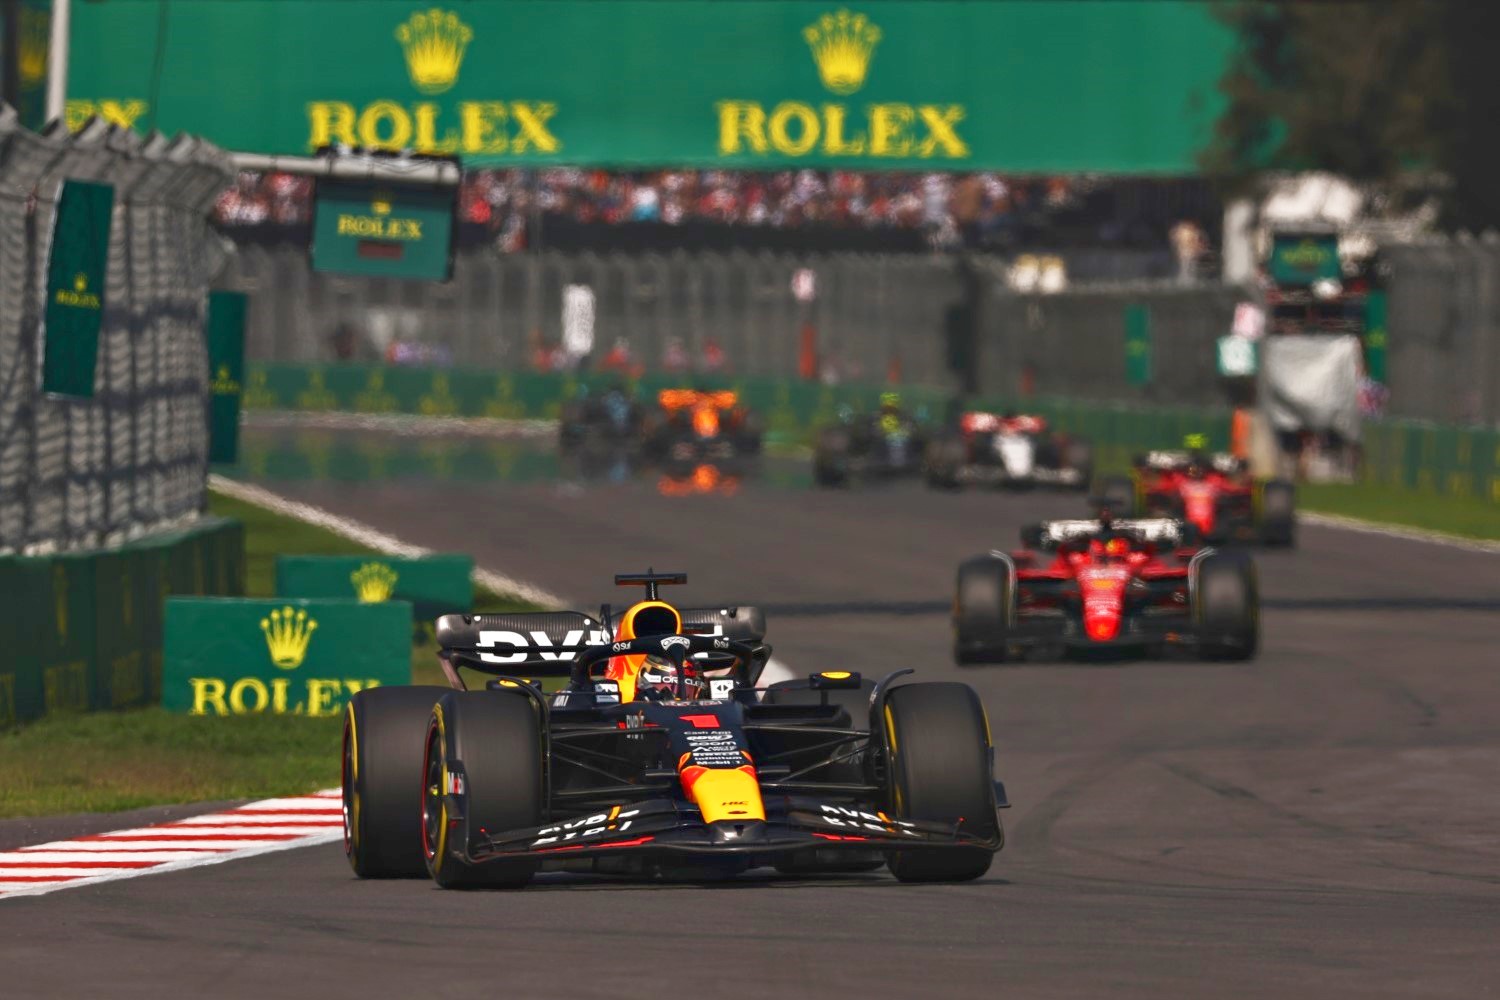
[(1215, 494), (660, 756), (991, 449), (1106, 584)]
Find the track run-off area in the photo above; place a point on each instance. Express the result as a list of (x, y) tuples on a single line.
[(1321, 821)]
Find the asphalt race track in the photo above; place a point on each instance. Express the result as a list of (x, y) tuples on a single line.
[(1319, 822)]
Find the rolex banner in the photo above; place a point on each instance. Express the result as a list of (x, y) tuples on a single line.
[(434, 585), (385, 231), (75, 287), (226, 374), (1023, 85), (281, 656)]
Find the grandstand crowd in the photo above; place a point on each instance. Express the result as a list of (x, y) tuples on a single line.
[(851, 210)]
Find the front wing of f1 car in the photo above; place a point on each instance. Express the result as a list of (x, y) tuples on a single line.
[(793, 825)]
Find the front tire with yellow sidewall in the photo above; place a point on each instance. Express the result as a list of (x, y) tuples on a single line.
[(384, 729), (493, 739), (938, 747)]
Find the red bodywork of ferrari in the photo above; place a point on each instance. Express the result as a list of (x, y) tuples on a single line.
[(1103, 581)]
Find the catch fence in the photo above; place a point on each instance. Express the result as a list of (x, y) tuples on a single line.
[(84, 472)]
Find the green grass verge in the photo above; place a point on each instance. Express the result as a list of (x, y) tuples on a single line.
[(109, 761), (1471, 517)]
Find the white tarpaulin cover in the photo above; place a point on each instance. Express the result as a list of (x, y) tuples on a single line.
[(1311, 382)]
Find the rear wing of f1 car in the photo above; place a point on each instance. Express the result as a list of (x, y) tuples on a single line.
[(546, 643), (1157, 530), (1165, 461)]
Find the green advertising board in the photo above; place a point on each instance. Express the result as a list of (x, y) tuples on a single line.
[(1298, 260), (1022, 85), (281, 656), (75, 287), (1376, 334), (389, 231), (433, 585), (1137, 345), (226, 374)]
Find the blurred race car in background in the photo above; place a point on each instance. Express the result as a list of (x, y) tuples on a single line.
[(1106, 584), (886, 444), (661, 756), (696, 426), (1215, 493), (608, 417), (990, 449)]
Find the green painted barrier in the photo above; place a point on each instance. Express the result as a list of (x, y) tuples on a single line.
[(280, 655), (432, 585), (83, 631)]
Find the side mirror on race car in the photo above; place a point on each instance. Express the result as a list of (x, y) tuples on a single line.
[(835, 680)]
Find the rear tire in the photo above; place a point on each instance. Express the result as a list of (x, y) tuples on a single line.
[(496, 738), (382, 771), (941, 465), (1278, 513), (938, 748), (831, 460), (1226, 607), (1119, 493), (983, 609)]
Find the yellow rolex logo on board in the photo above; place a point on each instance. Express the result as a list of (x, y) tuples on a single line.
[(842, 44), (288, 631), (434, 41), (373, 582)]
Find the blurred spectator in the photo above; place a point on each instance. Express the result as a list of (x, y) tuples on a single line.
[(865, 210)]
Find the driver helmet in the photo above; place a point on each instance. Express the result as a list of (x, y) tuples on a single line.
[(1109, 550), (1196, 468), (657, 681), (890, 402)]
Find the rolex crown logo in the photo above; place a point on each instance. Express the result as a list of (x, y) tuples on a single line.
[(288, 631), (434, 42), (842, 45), (80, 282), (373, 582)]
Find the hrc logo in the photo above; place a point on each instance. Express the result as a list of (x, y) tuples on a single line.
[(288, 631), (842, 45), (373, 582), (434, 42)]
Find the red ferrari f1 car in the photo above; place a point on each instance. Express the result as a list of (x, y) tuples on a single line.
[(1010, 449), (1106, 584), (1213, 493), (660, 755)]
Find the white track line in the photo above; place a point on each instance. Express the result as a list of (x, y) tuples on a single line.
[(373, 538), (1401, 531), (257, 828)]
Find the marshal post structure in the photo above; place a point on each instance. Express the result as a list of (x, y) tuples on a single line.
[(1035, 85)]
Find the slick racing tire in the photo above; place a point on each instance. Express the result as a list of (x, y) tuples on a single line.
[(945, 457), (382, 770), (1119, 493), (483, 773), (1278, 515), (831, 459), (1226, 607), (983, 608), (938, 747)]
